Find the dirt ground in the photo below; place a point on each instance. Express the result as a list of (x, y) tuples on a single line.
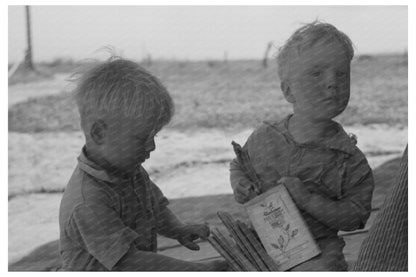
[(44, 162), (24, 91)]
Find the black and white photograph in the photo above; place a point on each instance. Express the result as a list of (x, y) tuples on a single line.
[(251, 137)]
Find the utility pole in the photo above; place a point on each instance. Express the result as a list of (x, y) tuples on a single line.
[(28, 63), (266, 54)]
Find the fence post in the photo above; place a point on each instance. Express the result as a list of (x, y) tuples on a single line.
[(28, 63)]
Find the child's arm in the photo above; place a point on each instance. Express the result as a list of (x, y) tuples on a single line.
[(347, 214), (97, 228), (170, 226), (242, 186), (135, 260), (257, 148)]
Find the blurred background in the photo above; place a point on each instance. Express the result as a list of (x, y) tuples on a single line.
[(218, 62), (195, 32)]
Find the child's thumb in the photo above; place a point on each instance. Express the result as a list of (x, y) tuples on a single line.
[(189, 244), (203, 231)]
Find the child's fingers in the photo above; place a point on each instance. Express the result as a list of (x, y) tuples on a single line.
[(246, 192), (243, 191), (208, 228), (189, 244), (202, 231), (245, 183), (290, 181), (240, 197), (197, 231)]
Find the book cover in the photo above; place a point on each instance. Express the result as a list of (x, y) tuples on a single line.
[(281, 228)]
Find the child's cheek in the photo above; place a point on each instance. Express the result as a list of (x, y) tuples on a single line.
[(346, 86)]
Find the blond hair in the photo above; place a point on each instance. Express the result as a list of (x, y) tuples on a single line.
[(122, 87), (307, 36)]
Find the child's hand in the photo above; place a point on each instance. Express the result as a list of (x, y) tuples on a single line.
[(244, 191), (297, 190), (188, 233)]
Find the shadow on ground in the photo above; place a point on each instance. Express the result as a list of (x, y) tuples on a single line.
[(200, 210)]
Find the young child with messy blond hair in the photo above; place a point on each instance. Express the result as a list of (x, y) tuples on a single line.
[(111, 212), (325, 173)]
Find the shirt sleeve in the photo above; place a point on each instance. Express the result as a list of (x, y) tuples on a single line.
[(100, 231), (160, 198), (237, 173), (360, 187), (263, 148)]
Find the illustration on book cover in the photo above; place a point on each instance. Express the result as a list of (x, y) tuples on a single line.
[(281, 228), (275, 216)]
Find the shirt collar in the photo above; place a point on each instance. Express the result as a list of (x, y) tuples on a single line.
[(96, 171), (340, 141)]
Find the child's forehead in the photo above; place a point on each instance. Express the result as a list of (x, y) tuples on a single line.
[(133, 124), (321, 54), (142, 124), (325, 48)]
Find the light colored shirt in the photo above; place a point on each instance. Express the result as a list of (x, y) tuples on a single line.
[(102, 216)]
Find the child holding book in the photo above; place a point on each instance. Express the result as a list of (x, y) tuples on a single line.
[(309, 153)]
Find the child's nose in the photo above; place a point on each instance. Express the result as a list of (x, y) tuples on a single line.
[(332, 85), (331, 81), (151, 146)]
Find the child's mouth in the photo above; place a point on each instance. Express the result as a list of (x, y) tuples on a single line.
[(328, 100), (146, 156)]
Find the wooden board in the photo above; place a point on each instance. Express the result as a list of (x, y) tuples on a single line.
[(281, 228)]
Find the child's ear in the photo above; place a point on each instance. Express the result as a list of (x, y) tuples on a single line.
[(98, 130), (284, 86)]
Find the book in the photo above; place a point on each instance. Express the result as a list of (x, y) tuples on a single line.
[(240, 246), (281, 228), (277, 220)]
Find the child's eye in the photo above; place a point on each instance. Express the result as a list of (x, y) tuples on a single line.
[(316, 74), (341, 74), (141, 139)]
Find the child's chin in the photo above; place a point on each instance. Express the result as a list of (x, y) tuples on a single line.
[(338, 112), (325, 117), (141, 160), (333, 112)]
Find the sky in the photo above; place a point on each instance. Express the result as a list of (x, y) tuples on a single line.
[(194, 32)]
